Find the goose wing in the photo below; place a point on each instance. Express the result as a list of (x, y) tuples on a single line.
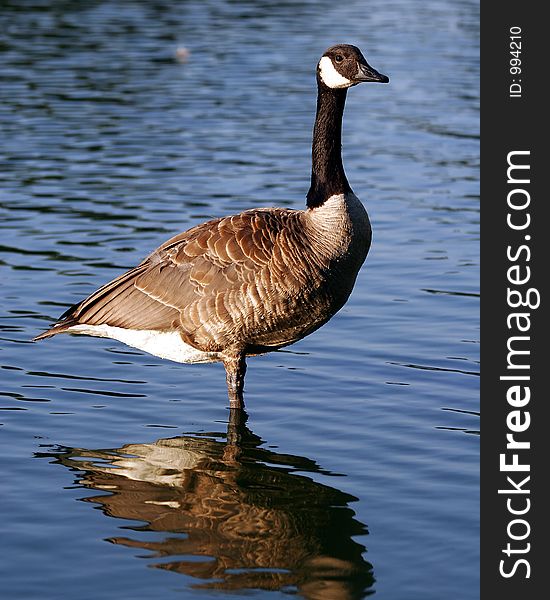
[(212, 282)]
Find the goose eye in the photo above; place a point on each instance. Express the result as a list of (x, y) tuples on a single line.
[(338, 58)]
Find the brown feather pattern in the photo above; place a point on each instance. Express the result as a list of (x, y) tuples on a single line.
[(246, 283)]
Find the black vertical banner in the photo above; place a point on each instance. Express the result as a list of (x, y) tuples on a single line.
[(515, 254)]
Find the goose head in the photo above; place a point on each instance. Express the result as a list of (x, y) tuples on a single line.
[(343, 66)]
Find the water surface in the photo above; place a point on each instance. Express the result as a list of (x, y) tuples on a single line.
[(356, 472)]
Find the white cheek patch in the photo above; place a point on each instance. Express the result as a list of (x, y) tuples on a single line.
[(330, 75)]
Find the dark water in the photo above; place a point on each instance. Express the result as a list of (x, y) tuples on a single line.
[(123, 476)]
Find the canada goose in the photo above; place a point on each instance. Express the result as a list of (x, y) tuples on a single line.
[(253, 282)]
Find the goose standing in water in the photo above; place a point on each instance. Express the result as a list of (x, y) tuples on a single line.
[(253, 282)]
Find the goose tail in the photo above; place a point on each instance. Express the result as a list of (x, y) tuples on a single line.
[(66, 321)]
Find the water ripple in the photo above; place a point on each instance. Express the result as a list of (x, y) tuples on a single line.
[(109, 147)]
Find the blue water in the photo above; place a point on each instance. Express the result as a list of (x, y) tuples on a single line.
[(357, 470)]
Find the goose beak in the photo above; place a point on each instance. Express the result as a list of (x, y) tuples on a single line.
[(367, 73)]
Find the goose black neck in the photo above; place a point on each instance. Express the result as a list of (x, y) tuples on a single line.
[(327, 171)]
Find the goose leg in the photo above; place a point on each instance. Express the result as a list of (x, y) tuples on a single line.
[(236, 429), (235, 369)]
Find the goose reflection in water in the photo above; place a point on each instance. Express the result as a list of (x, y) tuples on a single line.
[(257, 523)]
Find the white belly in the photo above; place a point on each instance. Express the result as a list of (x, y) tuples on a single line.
[(164, 344)]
